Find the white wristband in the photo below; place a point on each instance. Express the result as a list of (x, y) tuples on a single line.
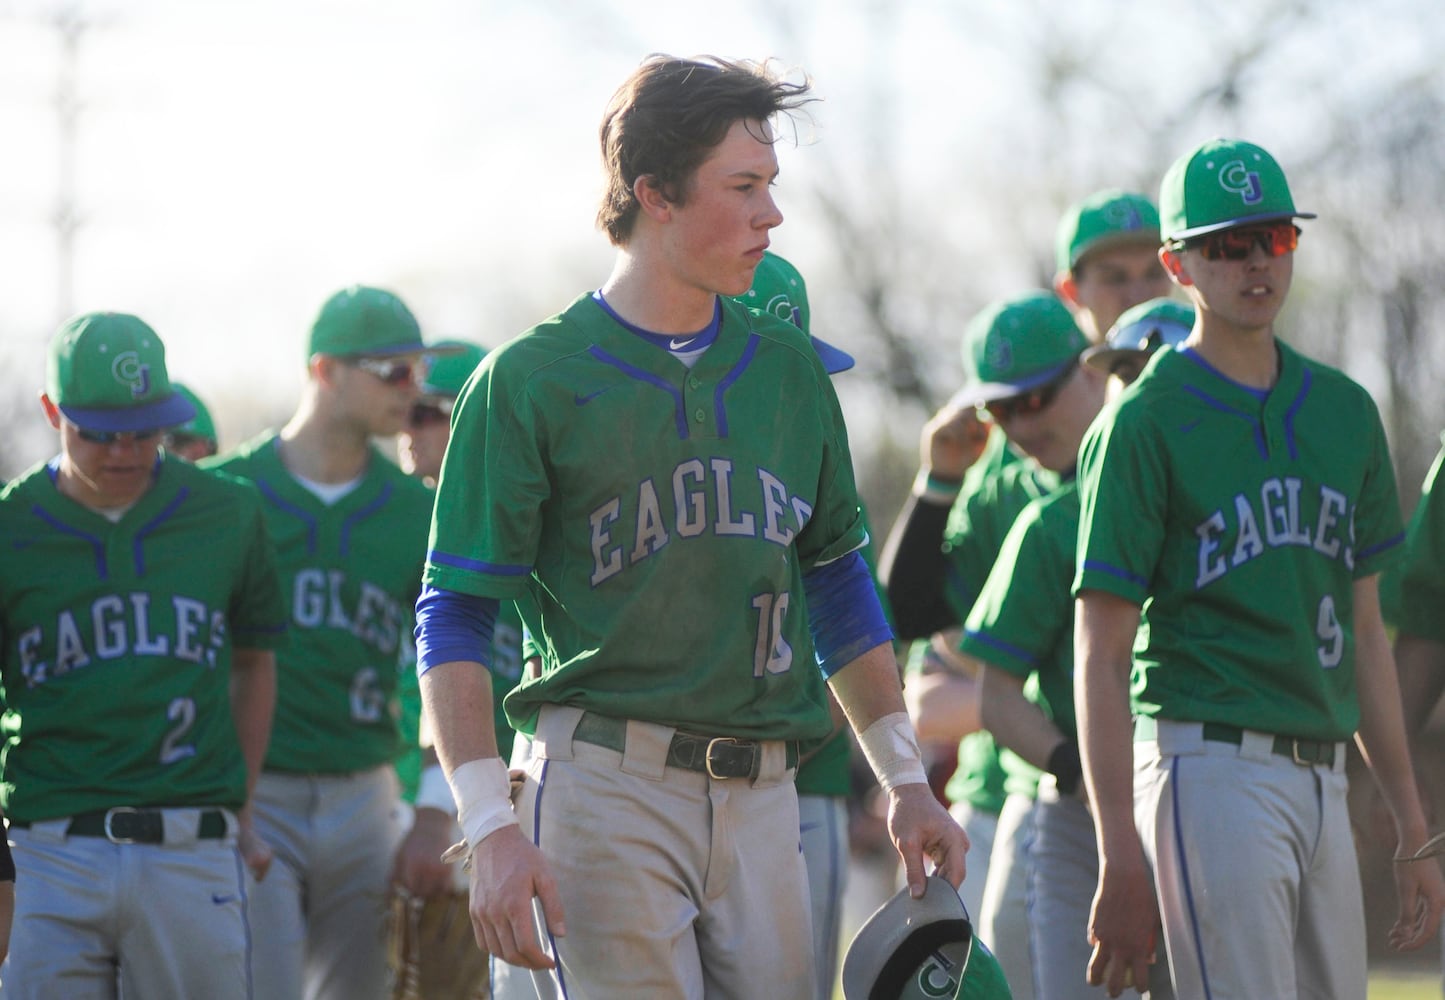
[(433, 792), (483, 794), (891, 746)]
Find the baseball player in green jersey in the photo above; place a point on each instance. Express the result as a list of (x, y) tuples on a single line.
[(349, 530), (656, 475), (127, 793), (1107, 258), (1241, 495), (432, 953), (196, 438), (1020, 632)]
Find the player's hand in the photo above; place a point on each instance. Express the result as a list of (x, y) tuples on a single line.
[(1421, 891), (508, 871), (255, 852), (953, 439), (1122, 927), (418, 867), (921, 827)]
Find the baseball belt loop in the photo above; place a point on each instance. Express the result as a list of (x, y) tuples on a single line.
[(110, 815), (707, 756)]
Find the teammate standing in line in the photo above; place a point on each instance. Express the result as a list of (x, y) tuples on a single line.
[(431, 960), (1021, 633), (350, 534), (1105, 258), (655, 475), (196, 438), (139, 611), (1245, 492)]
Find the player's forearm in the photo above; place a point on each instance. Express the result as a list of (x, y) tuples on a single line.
[(253, 704), (1381, 736), (1421, 666), (944, 707), (1016, 722), (911, 568), (1104, 628), (457, 697), (868, 688)]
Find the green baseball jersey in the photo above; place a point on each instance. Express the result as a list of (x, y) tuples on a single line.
[(979, 778), (1023, 621), (350, 572), (1416, 595), (653, 522), (1240, 521), (117, 642), (506, 671)]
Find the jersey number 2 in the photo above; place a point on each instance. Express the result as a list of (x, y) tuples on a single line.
[(771, 654), (181, 712)]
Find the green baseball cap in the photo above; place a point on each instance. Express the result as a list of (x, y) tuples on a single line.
[(1223, 183), (201, 425), (1016, 344), (366, 321), (1142, 329), (449, 372), (913, 949), (1104, 219), (107, 372), (779, 290)]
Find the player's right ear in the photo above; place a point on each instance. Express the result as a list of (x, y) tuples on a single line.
[(1174, 264), (52, 412), (1067, 288)]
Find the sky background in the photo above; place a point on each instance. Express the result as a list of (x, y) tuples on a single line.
[(237, 162)]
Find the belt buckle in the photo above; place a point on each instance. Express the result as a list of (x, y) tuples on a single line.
[(1294, 752), (707, 756), (109, 816)]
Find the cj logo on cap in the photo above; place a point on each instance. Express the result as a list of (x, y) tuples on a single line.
[(129, 370), (935, 977), (1238, 179), (1123, 216)]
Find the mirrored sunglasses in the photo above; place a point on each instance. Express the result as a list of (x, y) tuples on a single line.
[(111, 437), (392, 371), (1025, 403), (1275, 239), (431, 413)]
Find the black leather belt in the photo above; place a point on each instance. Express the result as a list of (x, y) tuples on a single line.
[(1305, 753), (715, 756), (125, 825)]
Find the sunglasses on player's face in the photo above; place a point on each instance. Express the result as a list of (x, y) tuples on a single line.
[(431, 413), (111, 437), (1035, 400), (1275, 239), (392, 371)]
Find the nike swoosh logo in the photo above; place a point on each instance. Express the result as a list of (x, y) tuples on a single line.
[(220, 900), (676, 345), (1186, 428), (582, 400)]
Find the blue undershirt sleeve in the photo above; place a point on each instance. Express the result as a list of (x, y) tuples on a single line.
[(844, 613), (453, 626)]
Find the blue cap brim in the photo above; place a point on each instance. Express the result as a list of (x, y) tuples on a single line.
[(987, 392), (169, 412), (834, 360)]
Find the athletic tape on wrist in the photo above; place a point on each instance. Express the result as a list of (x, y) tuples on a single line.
[(484, 803), (934, 490), (433, 792), (891, 746)]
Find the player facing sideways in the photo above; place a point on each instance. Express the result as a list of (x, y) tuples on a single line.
[(1020, 632), (619, 472), (432, 954), (349, 531), (1245, 493), (196, 438), (139, 611)]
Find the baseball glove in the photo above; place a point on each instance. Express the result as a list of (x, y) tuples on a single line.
[(431, 951)]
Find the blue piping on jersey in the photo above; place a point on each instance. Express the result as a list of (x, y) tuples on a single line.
[(356, 517), (1122, 574), (1388, 543), (102, 568), (138, 543), (719, 409), (999, 644), (632, 372), (245, 923), (1184, 876), (269, 492), (1293, 411), (1254, 423), (439, 558), (537, 840)]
